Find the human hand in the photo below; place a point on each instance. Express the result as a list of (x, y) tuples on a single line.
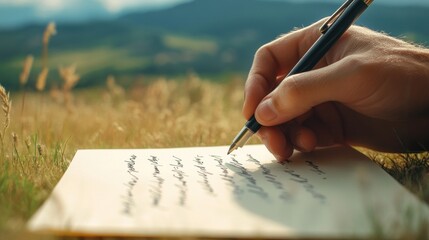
[(369, 90)]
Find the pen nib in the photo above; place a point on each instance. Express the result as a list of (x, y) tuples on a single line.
[(232, 148), (240, 139)]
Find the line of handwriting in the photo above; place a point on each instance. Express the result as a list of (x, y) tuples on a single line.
[(204, 173), (179, 174), (156, 189), (304, 182), (271, 178), (128, 202), (252, 184), (226, 176)]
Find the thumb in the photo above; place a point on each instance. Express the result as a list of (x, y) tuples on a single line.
[(297, 94)]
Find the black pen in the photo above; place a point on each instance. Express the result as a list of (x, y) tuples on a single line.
[(331, 31)]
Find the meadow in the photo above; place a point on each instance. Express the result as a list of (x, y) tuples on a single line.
[(42, 126), (45, 132)]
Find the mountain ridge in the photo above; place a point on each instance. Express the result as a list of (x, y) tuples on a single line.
[(228, 32), (79, 11)]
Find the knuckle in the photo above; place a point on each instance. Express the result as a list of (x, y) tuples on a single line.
[(292, 89), (353, 62), (287, 94), (256, 82), (262, 51), (358, 64)]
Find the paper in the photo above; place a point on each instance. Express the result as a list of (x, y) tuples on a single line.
[(202, 192)]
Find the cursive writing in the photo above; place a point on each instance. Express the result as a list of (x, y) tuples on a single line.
[(315, 168), (271, 178), (128, 202), (156, 189), (252, 185), (226, 176), (204, 173), (304, 182), (180, 175)]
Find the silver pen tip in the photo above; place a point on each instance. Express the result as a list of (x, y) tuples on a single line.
[(241, 139), (232, 148)]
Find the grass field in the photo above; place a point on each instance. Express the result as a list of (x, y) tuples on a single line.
[(41, 131), (45, 132)]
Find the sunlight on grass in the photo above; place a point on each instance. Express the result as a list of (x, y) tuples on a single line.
[(43, 138), (43, 130)]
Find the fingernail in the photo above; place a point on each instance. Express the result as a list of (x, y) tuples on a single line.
[(266, 111)]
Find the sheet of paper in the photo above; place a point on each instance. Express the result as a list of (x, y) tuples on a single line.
[(202, 192)]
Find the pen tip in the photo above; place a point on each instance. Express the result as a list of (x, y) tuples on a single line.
[(231, 149)]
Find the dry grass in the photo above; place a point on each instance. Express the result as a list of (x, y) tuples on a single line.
[(6, 106), (411, 170), (26, 69), (41, 141), (50, 31)]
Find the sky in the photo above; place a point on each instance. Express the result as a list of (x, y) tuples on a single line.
[(112, 6), (20, 12)]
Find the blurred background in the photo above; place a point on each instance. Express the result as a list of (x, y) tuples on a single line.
[(126, 73), (132, 38)]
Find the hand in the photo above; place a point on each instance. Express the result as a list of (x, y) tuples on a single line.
[(369, 90)]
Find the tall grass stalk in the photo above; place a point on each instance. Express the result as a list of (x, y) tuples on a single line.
[(50, 30), (146, 116), (6, 106), (41, 82), (23, 77), (70, 79)]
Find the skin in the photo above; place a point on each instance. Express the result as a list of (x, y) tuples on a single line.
[(369, 90)]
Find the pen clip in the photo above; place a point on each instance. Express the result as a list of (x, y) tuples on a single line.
[(334, 17)]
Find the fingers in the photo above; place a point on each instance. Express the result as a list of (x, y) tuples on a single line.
[(282, 140), (275, 59), (276, 142), (299, 93)]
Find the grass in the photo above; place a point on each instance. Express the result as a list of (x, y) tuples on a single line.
[(411, 170), (42, 139), (43, 130)]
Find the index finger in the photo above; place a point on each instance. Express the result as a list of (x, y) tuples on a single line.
[(276, 59)]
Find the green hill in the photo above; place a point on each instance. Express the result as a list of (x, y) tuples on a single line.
[(207, 36)]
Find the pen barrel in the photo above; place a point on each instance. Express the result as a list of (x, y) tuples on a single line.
[(321, 46), (253, 125), (328, 39)]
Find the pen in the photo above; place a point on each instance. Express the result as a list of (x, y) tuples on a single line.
[(331, 31)]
